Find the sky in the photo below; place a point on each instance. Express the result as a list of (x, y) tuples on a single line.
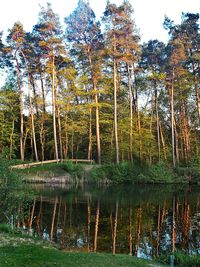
[(148, 14)]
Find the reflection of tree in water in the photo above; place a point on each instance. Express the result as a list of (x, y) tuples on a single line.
[(143, 228)]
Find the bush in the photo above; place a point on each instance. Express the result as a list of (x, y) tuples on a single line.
[(75, 170), (160, 173), (181, 259)]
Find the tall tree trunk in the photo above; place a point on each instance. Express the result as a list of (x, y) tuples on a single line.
[(31, 108), (115, 101), (66, 140), (172, 119), (131, 113), (54, 109), (42, 88), (96, 108), (157, 118), (60, 134), (21, 109), (90, 136), (32, 81)]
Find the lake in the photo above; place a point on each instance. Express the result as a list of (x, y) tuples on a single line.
[(141, 220)]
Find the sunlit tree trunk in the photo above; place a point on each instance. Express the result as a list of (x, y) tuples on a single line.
[(54, 109), (21, 110), (115, 101), (11, 138), (131, 113)]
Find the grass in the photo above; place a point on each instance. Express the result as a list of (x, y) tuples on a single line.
[(35, 255), (125, 172)]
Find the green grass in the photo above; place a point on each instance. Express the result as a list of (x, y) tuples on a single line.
[(32, 255)]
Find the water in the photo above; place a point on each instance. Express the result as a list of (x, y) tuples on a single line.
[(141, 220)]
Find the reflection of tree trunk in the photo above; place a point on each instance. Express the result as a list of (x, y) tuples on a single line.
[(151, 238), (96, 227), (158, 233), (58, 217), (63, 227), (39, 217), (138, 230), (53, 218), (111, 225), (130, 231), (115, 229), (89, 220), (173, 227), (32, 213)]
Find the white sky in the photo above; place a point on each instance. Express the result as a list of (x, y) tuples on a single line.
[(149, 14)]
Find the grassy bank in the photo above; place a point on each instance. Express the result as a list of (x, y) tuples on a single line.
[(34, 255), (22, 250), (111, 173), (139, 173)]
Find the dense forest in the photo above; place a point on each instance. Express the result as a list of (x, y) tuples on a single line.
[(91, 90)]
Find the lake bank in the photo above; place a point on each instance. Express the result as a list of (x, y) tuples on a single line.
[(16, 250), (133, 173)]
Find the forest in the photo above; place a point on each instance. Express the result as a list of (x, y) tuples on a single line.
[(91, 89)]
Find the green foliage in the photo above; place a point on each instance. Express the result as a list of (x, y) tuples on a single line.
[(160, 173), (181, 259), (188, 174), (134, 173), (74, 169), (8, 178)]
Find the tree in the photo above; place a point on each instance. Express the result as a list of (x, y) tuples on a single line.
[(15, 41), (84, 35), (49, 38)]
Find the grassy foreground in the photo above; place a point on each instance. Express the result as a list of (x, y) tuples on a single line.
[(34, 255)]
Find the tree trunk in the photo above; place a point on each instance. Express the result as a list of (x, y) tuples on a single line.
[(131, 114), (96, 108), (21, 110), (54, 109), (60, 134), (172, 119), (11, 137), (90, 136), (115, 101), (157, 118)]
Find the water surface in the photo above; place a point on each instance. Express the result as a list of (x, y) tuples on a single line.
[(144, 220)]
